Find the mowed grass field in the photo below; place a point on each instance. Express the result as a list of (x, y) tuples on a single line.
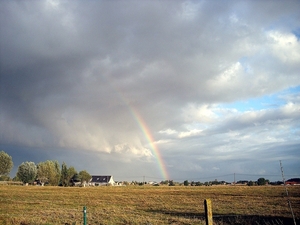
[(147, 205)]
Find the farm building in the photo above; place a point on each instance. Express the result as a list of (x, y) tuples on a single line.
[(293, 181), (102, 181)]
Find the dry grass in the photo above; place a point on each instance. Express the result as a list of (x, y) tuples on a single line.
[(145, 205)]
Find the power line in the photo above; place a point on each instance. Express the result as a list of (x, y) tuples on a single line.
[(287, 193)]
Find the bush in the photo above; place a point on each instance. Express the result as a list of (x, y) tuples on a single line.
[(261, 181)]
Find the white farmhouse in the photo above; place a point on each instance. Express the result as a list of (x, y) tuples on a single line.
[(102, 181)]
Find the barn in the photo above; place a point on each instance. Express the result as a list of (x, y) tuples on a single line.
[(97, 180)]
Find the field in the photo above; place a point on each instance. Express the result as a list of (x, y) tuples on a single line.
[(147, 205)]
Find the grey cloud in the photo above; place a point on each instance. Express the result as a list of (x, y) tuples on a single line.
[(71, 74)]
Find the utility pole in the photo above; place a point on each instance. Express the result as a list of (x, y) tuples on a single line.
[(287, 193), (234, 178)]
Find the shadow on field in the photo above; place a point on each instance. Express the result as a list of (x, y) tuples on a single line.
[(253, 219), (180, 214), (234, 219)]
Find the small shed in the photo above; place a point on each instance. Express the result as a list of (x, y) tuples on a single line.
[(102, 180)]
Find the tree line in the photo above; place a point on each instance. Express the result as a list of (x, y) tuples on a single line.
[(51, 173), (48, 172)]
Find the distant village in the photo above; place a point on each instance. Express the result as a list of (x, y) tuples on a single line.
[(52, 174), (108, 180)]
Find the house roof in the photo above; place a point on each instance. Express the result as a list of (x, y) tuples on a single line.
[(100, 179), (293, 180)]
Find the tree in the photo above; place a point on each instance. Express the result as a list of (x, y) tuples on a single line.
[(48, 171), (84, 176), (27, 172), (267, 181), (6, 163), (164, 182), (261, 181), (75, 179), (250, 183), (215, 182), (56, 179), (4, 178), (198, 183), (186, 183), (72, 174), (16, 179), (64, 175), (171, 183)]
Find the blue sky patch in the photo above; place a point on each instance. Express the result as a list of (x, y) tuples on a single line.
[(265, 102)]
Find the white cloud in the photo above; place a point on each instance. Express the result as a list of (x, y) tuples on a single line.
[(168, 131), (285, 46), (189, 133), (200, 114)]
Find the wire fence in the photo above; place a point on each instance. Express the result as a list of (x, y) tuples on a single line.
[(74, 217)]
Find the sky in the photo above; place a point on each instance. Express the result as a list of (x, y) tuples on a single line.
[(155, 90)]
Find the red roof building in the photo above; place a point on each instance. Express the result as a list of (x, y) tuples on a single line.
[(293, 181)]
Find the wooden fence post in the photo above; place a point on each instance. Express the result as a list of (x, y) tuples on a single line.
[(84, 215), (208, 212)]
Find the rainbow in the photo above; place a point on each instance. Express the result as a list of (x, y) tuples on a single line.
[(145, 129)]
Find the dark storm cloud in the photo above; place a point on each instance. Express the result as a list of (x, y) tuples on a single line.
[(72, 73)]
